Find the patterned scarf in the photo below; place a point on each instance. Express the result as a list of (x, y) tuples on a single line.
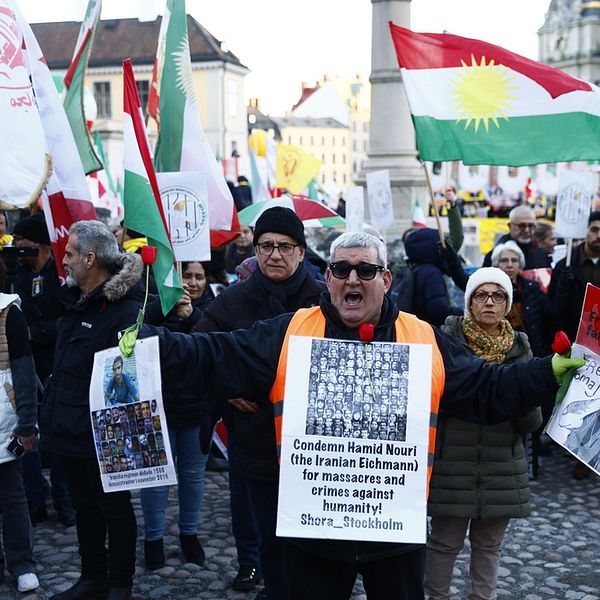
[(491, 347)]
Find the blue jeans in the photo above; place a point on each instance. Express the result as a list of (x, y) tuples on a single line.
[(16, 525), (190, 464), (243, 524)]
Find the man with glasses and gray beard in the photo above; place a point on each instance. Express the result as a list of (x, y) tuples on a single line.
[(521, 225), (281, 284)]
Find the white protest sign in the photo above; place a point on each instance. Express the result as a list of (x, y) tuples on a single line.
[(128, 419), (184, 198), (355, 441), (355, 208), (575, 189), (379, 192), (575, 422)]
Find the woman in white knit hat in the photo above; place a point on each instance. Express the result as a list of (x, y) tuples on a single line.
[(479, 478)]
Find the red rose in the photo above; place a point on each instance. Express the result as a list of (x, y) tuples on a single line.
[(561, 343), (366, 332), (149, 255)]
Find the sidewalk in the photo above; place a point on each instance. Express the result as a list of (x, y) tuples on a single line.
[(553, 555)]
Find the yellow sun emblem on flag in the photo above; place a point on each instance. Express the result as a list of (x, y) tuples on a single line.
[(482, 93)]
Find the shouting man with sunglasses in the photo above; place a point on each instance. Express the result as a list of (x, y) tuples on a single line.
[(252, 364), (521, 225), (281, 284)]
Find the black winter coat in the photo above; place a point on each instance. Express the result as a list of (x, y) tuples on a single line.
[(239, 307), (244, 363), (430, 294), (567, 291), (90, 325)]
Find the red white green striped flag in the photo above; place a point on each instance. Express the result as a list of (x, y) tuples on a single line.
[(482, 104), (141, 198), (73, 81), (182, 144)]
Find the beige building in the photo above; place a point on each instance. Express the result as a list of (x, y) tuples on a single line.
[(217, 73), (326, 139)]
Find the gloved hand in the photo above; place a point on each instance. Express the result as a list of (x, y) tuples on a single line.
[(561, 365), (452, 264)]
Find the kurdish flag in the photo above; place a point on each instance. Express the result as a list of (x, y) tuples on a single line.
[(482, 104), (141, 198), (182, 144)]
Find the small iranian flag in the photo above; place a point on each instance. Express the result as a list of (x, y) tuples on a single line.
[(74, 84), (482, 104), (141, 199), (418, 216), (181, 144)]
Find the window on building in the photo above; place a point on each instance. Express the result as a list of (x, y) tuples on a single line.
[(365, 127), (343, 141), (344, 178), (289, 139), (365, 146), (354, 145), (143, 88), (102, 97), (354, 126), (312, 140), (333, 159), (323, 141), (300, 141), (355, 167), (234, 149), (344, 158), (232, 100), (323, 157), (333, 140)]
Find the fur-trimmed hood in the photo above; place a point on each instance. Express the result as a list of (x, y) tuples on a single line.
[(128, 272)]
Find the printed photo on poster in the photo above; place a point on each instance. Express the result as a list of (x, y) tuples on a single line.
[(128, 419), (355, 441), (575, 422)]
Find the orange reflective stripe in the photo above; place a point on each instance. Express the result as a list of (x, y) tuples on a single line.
[(310, 322)]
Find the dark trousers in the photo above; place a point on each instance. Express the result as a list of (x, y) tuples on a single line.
[(36, 486), (99, 513), (243, 525), (263, 500), (312, 577)]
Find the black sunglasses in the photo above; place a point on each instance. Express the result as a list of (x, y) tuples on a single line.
[(365, 271)]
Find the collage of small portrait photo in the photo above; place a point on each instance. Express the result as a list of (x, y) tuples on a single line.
[(129, 437), (357, 390)]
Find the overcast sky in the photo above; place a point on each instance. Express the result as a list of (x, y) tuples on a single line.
[(286, 42)]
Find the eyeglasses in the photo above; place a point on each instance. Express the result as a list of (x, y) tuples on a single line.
[(524, 226), (505, 261), (482, 297), (365, 271), (285, 249)]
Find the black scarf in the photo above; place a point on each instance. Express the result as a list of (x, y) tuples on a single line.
[(384, 330), (281, 296)]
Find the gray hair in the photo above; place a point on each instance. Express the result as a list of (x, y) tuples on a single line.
[(360, 240), (520, 211), (96, 237), (512, 246)]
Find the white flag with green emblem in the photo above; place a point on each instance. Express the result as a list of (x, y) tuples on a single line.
[(182, 144)]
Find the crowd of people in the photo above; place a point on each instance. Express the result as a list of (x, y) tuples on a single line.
[(223, 351)]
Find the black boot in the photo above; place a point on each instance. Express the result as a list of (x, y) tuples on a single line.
[(115, 593), (65, 513), (154, 554), (192, 549), (247, 579), (84, 589)]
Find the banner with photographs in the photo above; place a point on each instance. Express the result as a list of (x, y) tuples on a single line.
[(355, 441), (575, 422), (128, 419)]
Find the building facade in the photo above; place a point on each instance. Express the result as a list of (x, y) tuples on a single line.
[(218, 77)]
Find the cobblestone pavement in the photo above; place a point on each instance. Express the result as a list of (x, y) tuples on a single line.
[(553, 555)]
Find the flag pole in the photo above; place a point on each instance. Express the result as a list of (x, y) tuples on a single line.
[(569, 250), (435, 208)]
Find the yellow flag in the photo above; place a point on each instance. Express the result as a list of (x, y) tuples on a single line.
[(257, 140), (295, 168)]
